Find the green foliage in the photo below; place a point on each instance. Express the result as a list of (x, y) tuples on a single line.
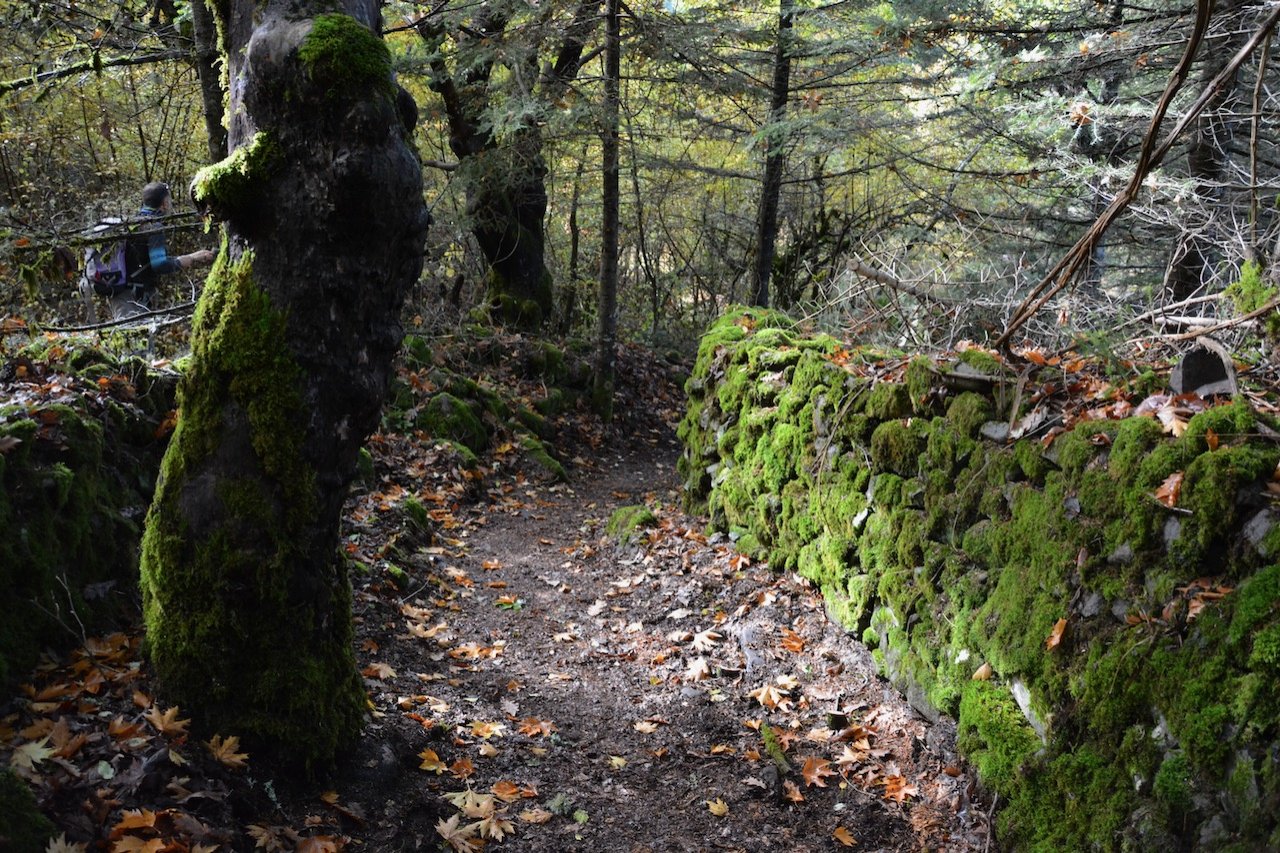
[(1250, 293)]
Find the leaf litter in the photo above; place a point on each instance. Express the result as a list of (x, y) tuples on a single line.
[(527, 692)]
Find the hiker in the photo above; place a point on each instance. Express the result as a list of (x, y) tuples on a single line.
[(147, 255)]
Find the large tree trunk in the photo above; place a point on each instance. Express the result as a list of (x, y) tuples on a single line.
[(246, 598), (506, 203)]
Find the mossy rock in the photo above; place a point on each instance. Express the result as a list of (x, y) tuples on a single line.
[(450, 418), (535, 450), (628, 523), (23, 828)]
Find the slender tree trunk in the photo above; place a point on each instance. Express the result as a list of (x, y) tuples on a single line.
[(569, 300), (1195, 255), (246, 598), (775, 142), (211, 93), (608, 330)]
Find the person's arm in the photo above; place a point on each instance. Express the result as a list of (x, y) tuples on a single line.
[(162, 262)]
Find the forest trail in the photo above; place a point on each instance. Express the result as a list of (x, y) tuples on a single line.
[(597, 696), (534, 685)]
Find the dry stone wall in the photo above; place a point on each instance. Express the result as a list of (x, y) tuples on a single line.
[(1132, 648)]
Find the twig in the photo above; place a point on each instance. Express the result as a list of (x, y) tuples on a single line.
[(1186, 303), (1227, 324), (882, 277), (107, 324)]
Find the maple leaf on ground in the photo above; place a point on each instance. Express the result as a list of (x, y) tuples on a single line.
[(718, 807), (792, 792), (897, 789), (456, 835), (536, 816), (647, 727), (27, 756), (534, 727), (816, 770), (485, 730), (431, 761), (496, 826), (140, 819), (167, 722), (462, 768), (224, 750), (472, 804), (705, 641), (379, 671), (698, 670), (506, 791), (791, 641), (273, 839), (61, 845), (770, 697)]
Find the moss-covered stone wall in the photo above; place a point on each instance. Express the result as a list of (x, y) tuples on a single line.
[(80, 443), (1133, 648)]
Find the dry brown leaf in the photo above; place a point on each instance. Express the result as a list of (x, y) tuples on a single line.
[(431, 761), (1055, 636), (791, 791), (167, 722), (536, 816), (983, 673), (1170, 490), (815, 771), (843, 836), (224, 750), (718, 807)]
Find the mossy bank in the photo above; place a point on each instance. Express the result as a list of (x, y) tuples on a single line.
[(1134, 648), (81, 435)]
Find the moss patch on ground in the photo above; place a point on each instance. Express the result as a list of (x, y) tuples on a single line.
[(1153, 718)]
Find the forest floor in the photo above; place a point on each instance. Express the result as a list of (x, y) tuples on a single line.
[(535, 685)]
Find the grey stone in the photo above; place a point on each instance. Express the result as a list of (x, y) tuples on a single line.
[(1172, 530), (1022, 696), (1092, 605), (1121, 556), (1257, 528)]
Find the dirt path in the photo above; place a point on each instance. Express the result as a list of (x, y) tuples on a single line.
[(534, 686), (600, 697)]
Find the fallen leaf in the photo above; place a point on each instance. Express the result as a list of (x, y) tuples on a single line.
[(456, 835), (816, 770), (617, 762), (536, 816), (1170, 489), (380, 671), (431, 761), (647, 727), (897, 789), (462, 768), (791, 791), (844, 836), (1211, 439), (698, 670), (718, 807), (705, 641), (1055, 636), (166, 722), (61, 845), (791, 641), (27, 756), (224, 751), (983, 673)]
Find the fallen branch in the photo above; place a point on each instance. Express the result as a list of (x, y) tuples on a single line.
[(185, 307)]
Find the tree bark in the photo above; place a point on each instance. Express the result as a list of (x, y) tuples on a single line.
[(606, 339), (767, 218), (246, 598), (505, 179), (211, 93)]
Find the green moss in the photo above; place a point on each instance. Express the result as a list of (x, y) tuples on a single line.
[(627, 523), (448, 417), (23, 829), (1250, 293), (537, 451), (235, 185), (981, 360), (230, 595), (888, 401), (896, 447), (994, 735), (968, 412), (346, 59)]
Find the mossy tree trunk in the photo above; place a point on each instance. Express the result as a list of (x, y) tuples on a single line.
[(246, 599)]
